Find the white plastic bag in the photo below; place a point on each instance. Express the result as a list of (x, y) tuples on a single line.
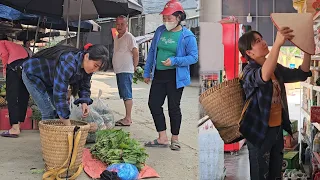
[(101, 106), (93, 118)]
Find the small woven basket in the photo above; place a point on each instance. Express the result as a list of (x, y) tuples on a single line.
[(55, 146), (224, 103)]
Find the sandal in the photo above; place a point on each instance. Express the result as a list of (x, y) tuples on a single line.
[(175, 145), (155, 144), (120, 123), (7, 134)]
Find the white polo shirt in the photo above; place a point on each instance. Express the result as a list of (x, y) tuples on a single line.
[(122, 60)]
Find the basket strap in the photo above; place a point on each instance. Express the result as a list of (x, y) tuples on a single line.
[(53, 174), (73, 159), (245, 107), (203, 120)]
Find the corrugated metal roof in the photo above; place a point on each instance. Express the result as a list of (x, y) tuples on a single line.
[(156, 6)]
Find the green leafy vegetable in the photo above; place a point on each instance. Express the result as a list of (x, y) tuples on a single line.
[(115, 146), (138, 75)]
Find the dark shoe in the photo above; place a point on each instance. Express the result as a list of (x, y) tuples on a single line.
[(7, 134)]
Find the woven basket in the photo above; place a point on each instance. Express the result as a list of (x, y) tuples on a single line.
[(224, 103), (55, 146)]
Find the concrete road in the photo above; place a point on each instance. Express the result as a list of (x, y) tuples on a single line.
[(18, 156)]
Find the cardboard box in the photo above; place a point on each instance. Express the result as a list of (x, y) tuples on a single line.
[(5, 124), (290, 160), (294, 127), (290, 142)]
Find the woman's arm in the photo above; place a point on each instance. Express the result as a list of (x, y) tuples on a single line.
[(293, 75), (191, 51), (150, 58), (84, 90), (4, 55), (305, 66), (63, 72), (271, 63)]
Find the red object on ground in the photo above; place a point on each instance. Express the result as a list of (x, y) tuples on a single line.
[(94, 167), (234, 147), (5, 124)]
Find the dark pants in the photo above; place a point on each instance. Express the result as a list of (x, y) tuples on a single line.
[(160, 89), (266, 162), (17, 93)]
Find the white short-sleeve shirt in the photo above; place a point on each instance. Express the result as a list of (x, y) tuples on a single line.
[(122, 60)]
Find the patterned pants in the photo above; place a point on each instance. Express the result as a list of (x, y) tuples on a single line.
[(266, 161)]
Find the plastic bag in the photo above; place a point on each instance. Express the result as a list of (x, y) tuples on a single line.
[(316, 143), (93, 117), (107, 175), (125, 171), (101, 106)]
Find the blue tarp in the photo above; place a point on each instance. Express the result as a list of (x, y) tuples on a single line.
[(30, 19)]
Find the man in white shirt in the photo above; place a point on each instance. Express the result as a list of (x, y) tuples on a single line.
[(125, 60), (26, 45)]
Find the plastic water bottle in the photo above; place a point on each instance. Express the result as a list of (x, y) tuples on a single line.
[(211, 155)]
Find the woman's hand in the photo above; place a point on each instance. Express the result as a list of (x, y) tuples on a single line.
[(65, 122), (85, 110), (167, 62), (146, 80), (285, 33)]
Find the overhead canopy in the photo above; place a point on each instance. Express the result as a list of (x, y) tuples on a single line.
[(46, 22), (91, 9)]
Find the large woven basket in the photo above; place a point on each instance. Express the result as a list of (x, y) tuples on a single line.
[(224, 103), (55, 145)]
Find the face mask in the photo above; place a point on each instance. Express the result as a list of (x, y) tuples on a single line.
[(170, 25)]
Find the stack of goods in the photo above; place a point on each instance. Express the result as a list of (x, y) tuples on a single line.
[(116, 146), (289, 142), (290, 160), (317, 40), (3, 101), (306, 99), (291, 174)]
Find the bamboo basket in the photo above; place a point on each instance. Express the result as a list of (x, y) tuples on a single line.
[(224, 103), (55, 145)]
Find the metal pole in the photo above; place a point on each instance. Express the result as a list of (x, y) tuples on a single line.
[(68, 10), (27, 32), (257, 20), (50, 34), (35, 39), (79, 24), (129, 23)]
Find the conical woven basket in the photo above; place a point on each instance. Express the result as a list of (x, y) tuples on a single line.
[(223, 103), (55, 146)]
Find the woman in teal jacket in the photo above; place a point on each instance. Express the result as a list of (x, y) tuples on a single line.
[(173, 50)]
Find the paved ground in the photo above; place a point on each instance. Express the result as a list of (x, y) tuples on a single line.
[(18, 156)]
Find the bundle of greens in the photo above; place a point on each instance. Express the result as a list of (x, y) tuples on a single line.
[(138, 75), (115, 146)]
